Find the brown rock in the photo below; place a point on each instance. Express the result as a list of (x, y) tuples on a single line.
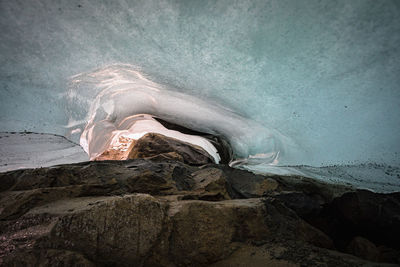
[(247, 184), (118, 153), (50, 257), (104, 229), (42, 185), (254, 256), (203, 232), (167, 156), (14, 204), (156, 147), (85, 214), (363, 248), (213, 183), (304, 205), (371, 215), (285, 224), (282, 255), (153, 144), (266, 185)]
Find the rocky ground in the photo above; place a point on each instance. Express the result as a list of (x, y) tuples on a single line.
[(163, 210)]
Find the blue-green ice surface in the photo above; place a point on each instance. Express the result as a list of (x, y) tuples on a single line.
[(287, 82)]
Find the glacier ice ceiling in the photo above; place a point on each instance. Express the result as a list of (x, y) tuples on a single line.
[(308, 82)]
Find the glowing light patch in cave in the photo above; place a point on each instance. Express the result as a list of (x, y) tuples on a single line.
[(121, 143)]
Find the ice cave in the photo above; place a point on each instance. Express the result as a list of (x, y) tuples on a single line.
[(274, 87), (288, 83)]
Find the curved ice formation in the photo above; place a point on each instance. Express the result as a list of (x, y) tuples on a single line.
[(97, 137), (118, 94)]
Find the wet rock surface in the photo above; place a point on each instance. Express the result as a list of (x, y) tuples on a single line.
[(152, 212)]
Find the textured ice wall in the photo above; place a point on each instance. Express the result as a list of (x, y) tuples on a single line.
[(325, 73)]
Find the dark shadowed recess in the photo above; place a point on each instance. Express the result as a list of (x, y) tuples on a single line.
[(221, 144), (360, 223)]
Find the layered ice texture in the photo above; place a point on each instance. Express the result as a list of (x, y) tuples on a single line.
[(286, 82), (122, 97)]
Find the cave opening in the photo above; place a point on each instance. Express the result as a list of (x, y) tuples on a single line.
[(143, 135)]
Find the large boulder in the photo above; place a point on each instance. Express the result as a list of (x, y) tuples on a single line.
[(159, 147), (361, 213), (363, 248), (204, 232), (104, 229), (153, 144)]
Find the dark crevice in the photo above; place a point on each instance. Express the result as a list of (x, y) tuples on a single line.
[(221, 144), (361, 223)]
